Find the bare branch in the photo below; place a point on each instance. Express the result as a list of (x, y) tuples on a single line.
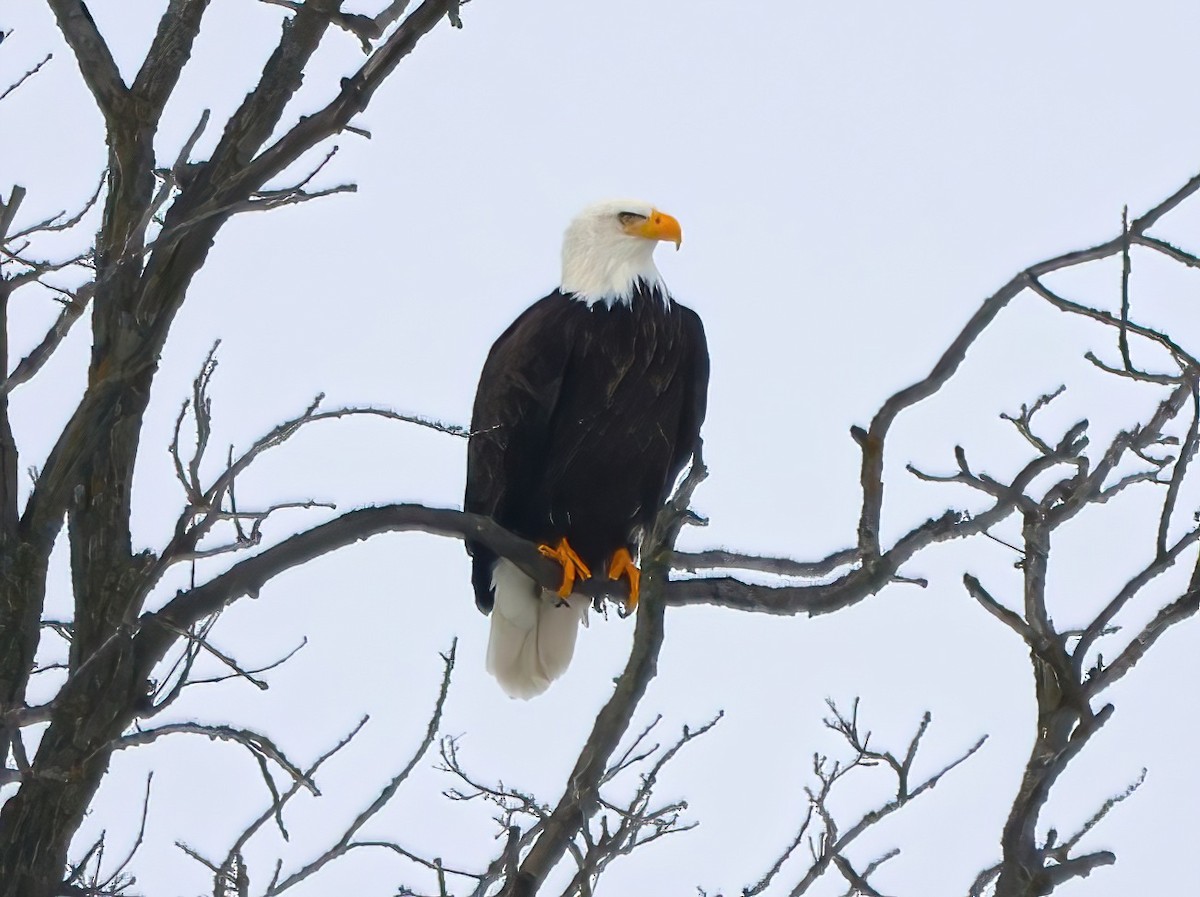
[(168, 54), (1061, 852), (37, 269), (96, 63), (985, 878), (207, 503), (28, 366), (620, 827), (1188, 451), (1136, 583), (1024, 421), (391, 14), (346, 841), (871, 441), (874, 573), (259, 114), (1176, 612), (249, 674), (1170, 251), (202, 643), (857, 882), (830, 842), (365, 28), (1140, 376), (137, 842), (693, 561), (763, 883), (180, 670), (212, 867), (870, 868), (1062, 304), (53, 224), (632, 754), (25, 77), (19, 717), (260, 747), (637, 824), (258, 201), (159, 630), (276, 809), (8, 210), (1126, 268), (1009, 618), (1088, 487), (356, 93), (1079, 867)]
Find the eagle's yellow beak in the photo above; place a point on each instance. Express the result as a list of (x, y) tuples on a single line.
[(660, 226)]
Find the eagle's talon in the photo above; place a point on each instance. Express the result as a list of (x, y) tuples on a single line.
[(622, 565), (573, 566)]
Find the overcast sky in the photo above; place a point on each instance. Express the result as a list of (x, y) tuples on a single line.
[(852, 180)]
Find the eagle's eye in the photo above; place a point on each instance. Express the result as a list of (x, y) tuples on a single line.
[(628, 218)]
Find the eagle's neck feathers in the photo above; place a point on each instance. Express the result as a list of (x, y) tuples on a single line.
[(599, 267)]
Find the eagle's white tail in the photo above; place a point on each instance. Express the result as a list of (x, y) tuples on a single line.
[(533, 633)]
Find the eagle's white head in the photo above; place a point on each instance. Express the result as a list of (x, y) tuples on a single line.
[(609, 247)]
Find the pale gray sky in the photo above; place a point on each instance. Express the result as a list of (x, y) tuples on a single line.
[(852, 180)]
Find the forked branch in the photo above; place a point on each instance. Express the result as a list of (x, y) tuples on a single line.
[(827, 838)]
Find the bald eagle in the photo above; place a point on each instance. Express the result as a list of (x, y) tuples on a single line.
[(588, 407)]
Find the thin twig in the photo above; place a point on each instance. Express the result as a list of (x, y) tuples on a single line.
[(25, 77), (346, 842)]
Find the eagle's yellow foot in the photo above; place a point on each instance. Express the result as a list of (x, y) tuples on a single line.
[(573, 566), (622, 565)]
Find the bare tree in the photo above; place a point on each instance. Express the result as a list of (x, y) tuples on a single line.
[(158, 223), (126, 664)]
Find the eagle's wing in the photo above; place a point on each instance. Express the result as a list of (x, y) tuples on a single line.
[(696, 397), (518, 390)]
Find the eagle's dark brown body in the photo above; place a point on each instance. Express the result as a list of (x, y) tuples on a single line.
[(583, 419)]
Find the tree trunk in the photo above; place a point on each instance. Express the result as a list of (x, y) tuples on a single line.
[(1023, 868), (41, 818)]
